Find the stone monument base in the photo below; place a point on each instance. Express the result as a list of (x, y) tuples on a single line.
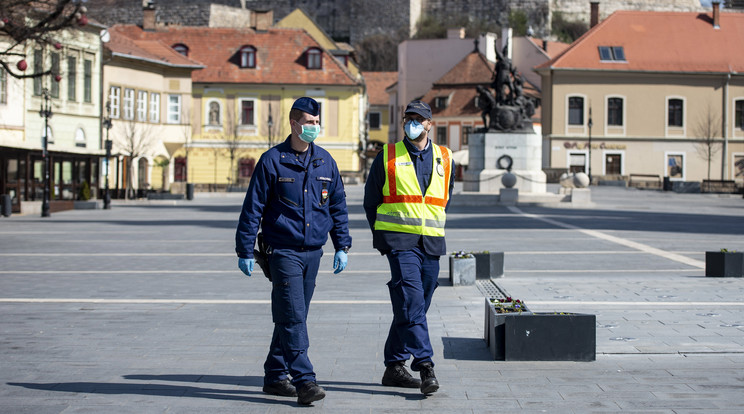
[(528, 181), (489, 155)]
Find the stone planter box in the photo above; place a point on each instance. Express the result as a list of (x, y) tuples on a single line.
[(488, 265), (538, 336), (462, 271), (724, 264)]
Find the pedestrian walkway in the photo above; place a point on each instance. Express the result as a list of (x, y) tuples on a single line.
[(141, 309)]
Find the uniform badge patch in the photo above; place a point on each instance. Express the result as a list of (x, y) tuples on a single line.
[(324, 194)]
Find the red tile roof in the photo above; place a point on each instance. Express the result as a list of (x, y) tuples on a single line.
[(377, 82), (280, 55), (474, 69), (660, 42), (554, 47), (149, 50)]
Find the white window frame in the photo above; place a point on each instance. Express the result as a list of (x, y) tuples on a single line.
[(246, 54), (667, 154), (621, 153), (733, 117), (174, 109), (80, 140), (607, 126), (142, 106), (584, 152), (115, 100), (154, 108), (668, 128), (585, 114), (311, 55), (733, 164), (127, 104)]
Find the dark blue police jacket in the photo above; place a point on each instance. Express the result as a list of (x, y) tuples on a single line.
[(384, 240), (296, 204)]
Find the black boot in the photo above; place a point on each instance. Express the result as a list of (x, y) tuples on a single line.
[(429, 383), (397, 375), (282, 388), (309, 392)]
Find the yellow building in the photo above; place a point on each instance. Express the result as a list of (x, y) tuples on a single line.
[(241, 99), (655, 94)]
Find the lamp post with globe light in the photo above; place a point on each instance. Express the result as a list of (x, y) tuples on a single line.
[(107, 124), (45, 111)]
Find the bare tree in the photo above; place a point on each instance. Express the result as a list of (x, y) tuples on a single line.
[(34, 21), (707, 132), (232, 139), (134, 141)]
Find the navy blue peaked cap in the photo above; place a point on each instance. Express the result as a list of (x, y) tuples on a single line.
[(419, 107), (307, 105)]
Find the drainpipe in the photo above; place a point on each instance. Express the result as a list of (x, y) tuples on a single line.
[(724, 120)]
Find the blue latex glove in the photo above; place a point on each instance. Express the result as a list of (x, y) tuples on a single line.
[(246, 265), (340, 259)]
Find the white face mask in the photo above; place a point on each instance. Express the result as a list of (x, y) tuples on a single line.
[(413, 129)]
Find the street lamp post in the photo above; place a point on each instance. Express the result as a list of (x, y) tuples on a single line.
[(45, 111), (107, 124), (589, 124), (270, 123)]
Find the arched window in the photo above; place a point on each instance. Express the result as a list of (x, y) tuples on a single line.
[(80, 138), (247, 57), (181, 48), (314, 58)]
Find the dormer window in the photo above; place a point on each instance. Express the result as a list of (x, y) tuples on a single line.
[(611, 54), (181, 48), (247, 57), (314, 58), (440, 102)]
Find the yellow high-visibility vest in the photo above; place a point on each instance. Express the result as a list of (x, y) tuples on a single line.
[(404, 208)]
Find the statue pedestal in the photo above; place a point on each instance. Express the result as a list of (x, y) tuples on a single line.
[(485, 150)]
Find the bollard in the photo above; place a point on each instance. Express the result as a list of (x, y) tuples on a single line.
[(189, 191), (6, 206)]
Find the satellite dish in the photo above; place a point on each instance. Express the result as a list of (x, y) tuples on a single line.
[(105, 36)]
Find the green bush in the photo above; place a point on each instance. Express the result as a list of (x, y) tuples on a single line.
[(84, 191)]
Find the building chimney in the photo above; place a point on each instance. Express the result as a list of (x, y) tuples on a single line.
[(545, 45), (261, 20), (148, 15), (716, 14), (594, 15)]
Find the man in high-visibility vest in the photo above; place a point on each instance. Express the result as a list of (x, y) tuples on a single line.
[(405, 199)]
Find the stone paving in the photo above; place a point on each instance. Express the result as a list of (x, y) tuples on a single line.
[(141, 309)]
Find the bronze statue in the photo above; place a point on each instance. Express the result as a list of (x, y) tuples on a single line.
[(507, 110)]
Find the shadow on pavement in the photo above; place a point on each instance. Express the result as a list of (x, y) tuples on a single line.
[(466, 349)]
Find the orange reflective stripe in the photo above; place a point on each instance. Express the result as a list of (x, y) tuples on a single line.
[(442, 202), (412, 199), (391, 169)]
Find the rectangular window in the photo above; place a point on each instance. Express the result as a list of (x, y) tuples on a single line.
[(575, 110), (440, 102), (71, 75), (38, 68), (247, 112), (174, 109), (739, 114), (179, 170), (611, 54), (115, 101), (155, 107), (615, 111), (3, 86), (675, 166), (55, 71), (87, 81), (374, 120), (675, 113), (577, 162), (128, 104), (141, 106), (441, 135), (466, 131)]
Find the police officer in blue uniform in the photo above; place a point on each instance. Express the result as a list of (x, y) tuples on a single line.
[(297, 198), (413, 257)]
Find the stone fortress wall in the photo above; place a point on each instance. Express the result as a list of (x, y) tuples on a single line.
[(353, 20)]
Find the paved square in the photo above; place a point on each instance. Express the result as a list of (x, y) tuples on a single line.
[(141, 309)]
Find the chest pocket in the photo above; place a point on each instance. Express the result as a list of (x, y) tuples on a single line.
[(289, 191)]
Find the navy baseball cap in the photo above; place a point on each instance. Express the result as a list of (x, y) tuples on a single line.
[(419, 107), (308, 105)]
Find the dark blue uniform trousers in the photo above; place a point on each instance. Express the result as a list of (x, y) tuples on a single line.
[(414, 277), (293, 276)]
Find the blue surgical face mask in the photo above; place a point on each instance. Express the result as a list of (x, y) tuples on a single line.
[(309, 132), (413, 129)]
